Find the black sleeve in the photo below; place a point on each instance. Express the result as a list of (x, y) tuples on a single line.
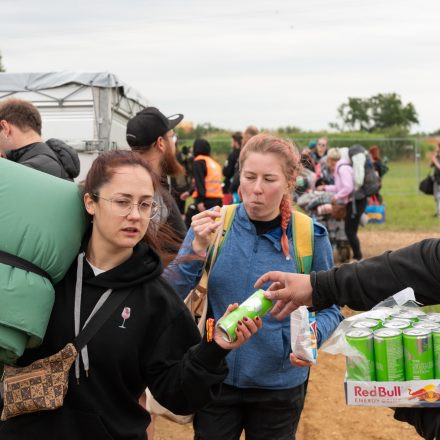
[(362, 285), (182, 373), (425, 420), (199, 174)]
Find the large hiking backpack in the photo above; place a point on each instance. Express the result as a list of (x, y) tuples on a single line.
[(366, 180)]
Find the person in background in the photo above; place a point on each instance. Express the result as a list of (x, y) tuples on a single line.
[(151, 134), (231, 162), (379, 166), (21, 142), (250, 132), (262, 394), (181, 184), (159, 345), (321, 149), (342, 189), (435, 163), (207, 175), (361, 286)]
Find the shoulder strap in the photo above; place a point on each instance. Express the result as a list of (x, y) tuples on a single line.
[(100, 317), (229, 215), (217, 243), (303, 241), (21, 263)]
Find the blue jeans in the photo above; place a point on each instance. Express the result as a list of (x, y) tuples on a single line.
[(262, 414)]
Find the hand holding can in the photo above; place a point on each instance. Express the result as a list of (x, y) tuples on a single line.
[(255, 306)]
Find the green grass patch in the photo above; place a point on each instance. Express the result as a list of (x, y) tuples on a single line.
[(431, 309)]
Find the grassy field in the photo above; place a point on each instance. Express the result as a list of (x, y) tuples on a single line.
[(406, 208)]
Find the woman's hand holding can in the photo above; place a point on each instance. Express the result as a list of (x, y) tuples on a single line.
[(245, 329)]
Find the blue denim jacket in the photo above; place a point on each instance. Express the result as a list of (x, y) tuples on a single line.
[(263, 362)]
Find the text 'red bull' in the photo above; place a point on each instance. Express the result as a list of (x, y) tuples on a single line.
[(377, 392)]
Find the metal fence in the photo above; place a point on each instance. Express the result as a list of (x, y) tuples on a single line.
[(391, 149)]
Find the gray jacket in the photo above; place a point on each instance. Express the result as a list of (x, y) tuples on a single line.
[(43, 157)]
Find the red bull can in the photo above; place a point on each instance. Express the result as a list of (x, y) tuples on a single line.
[(417, 346), (388, 354), (400, 324), (408, 315), (361, 367), (434, 317), (256, 305), (372, 324), (426, 324), (436, 350)]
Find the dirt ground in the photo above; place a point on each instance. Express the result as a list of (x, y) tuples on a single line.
[(326, 415)]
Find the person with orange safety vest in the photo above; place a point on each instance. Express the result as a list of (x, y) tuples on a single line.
[(207, 175), (207, 180)]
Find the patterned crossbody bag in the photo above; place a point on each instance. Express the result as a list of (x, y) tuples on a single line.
[(43, 385)]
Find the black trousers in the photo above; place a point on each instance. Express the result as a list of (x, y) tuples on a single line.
[(352, 225), (262, 414)]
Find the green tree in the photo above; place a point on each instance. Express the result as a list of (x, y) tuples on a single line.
[(2, 69), (377, 113), (387, 110)]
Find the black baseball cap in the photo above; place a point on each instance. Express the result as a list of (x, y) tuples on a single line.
[(149, 124)]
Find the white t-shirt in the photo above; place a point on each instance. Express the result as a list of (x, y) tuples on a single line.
[(96, 270)]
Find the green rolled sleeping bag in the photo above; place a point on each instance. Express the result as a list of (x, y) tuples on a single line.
[(42, 220)]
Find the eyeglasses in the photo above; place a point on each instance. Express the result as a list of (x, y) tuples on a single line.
[(173, 137), (122, 207)]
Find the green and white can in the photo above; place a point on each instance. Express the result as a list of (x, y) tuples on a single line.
[(407, 314), (388, 354), (436, 350), (419, 358), (434, 317), (256, 305), (361, 367), (372, 324), (400, 324), (427, 324)]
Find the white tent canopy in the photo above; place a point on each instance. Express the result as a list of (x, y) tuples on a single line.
[(87, 110), (26, 82)]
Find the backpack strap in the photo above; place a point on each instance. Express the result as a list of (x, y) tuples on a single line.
[(227, 223), (303, 241), (214, 250)]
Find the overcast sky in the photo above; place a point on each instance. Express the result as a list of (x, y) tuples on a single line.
[(238, 62)]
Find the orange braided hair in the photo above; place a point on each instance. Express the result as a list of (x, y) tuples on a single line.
[(286, 213)]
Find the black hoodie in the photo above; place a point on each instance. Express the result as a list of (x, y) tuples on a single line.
[(159, 347)]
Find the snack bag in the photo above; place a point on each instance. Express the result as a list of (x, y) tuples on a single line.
[(304, 339)]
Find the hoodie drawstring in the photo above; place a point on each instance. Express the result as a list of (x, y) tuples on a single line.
[(77, 314)]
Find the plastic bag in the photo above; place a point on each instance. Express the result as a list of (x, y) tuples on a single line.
[(304, 339), (337, 344)]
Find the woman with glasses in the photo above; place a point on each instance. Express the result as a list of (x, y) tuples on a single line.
[(150, 339)]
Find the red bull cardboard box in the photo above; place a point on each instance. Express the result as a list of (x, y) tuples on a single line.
[(414, 393)]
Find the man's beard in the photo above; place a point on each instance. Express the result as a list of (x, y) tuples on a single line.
[(170, 165)]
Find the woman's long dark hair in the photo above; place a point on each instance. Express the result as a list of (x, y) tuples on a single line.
[(163, 239)]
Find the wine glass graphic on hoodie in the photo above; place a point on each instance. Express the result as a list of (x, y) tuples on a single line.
[(125, 315)]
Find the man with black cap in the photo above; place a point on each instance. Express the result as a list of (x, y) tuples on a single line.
[(151, 134)]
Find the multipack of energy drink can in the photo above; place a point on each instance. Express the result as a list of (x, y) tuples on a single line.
[(403, 347)]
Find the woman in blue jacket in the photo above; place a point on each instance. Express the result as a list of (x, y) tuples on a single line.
[(264, 391)]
